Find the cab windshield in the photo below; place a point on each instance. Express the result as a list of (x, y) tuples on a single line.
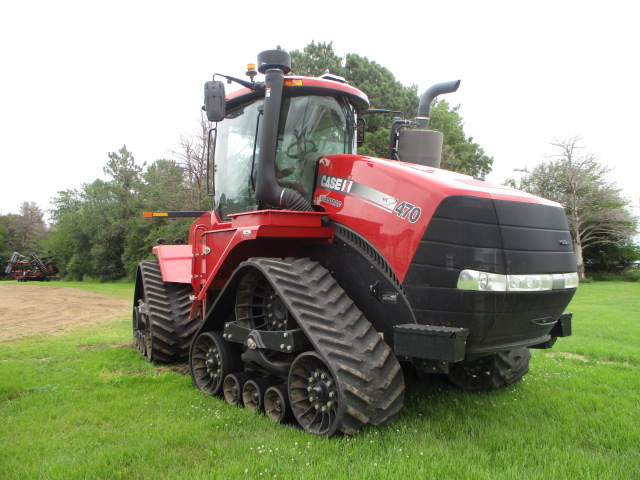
[(309, 128)]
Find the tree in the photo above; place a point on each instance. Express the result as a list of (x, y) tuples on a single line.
[(611, 257), (125, 184), (5, 249), (69, 240), (459, 153), (31, 225), (165, 189), (99, 231), (596, 212), (23, 232), (384, 91), (191, 156), (316, 59), (92, 225)]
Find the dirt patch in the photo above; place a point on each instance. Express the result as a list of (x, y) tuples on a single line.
[(181, 368), (27, 309), (571, 356)]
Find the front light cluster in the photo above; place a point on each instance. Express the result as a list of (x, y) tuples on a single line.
[(495, 282)]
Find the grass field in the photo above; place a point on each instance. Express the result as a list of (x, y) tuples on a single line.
[(84, 404)]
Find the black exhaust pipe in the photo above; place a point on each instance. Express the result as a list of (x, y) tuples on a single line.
[(421, 145), (274, 64), (427, 97)]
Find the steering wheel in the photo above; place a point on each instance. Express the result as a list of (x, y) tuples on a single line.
[(295, 150)]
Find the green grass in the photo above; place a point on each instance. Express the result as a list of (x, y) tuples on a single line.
[(85, 405)]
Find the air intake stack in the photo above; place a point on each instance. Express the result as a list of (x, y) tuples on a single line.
[(274, 64)]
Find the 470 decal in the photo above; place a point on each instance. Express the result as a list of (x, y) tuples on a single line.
[(408, 211)]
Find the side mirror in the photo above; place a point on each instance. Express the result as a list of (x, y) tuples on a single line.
[(214, 101), (360, 127)]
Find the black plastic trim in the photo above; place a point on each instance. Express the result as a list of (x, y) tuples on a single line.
[(496, 236)]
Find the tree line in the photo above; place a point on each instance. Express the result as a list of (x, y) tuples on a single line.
[(98, 231)]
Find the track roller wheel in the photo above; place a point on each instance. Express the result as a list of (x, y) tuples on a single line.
[(253, 393), (259, 306), (139, 341), (147, 338), (212, 359), (276, 404), (314, 394), (491, 372), (233, 385)]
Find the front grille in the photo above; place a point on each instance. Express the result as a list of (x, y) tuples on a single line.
[(494, 236)]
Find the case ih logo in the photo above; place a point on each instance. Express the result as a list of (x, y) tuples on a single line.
[(337, 184)]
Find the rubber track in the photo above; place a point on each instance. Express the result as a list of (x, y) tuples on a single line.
[(370, 376), (169, 307), (511, 366), (507, 368)]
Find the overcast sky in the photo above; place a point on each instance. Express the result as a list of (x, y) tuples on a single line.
[(82, 79)]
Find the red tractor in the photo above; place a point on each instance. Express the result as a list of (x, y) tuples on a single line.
[(320, 272)]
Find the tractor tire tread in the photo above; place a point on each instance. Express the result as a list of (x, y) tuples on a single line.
[(169, 308)]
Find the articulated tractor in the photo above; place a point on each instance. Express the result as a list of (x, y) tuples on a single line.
[(321, 275)]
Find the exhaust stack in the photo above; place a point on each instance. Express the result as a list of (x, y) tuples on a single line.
[(428, 96)]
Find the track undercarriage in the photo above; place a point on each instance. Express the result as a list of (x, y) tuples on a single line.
[(295, 342), (284, 338)]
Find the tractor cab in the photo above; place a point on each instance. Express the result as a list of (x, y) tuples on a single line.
[(310, 126), (312, 118)]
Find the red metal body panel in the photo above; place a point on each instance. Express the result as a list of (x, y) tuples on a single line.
[(216, 248), (390, 203), (175, 261), (263, 233)]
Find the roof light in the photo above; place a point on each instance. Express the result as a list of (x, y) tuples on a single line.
[(335, 78), (251, 70)]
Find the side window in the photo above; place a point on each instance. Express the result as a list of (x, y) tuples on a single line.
[(310, 127), (234, 192)]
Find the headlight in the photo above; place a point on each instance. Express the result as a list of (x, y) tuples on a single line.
[(494, 282)]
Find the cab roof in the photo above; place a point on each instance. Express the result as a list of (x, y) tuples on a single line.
[(295, 85)]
